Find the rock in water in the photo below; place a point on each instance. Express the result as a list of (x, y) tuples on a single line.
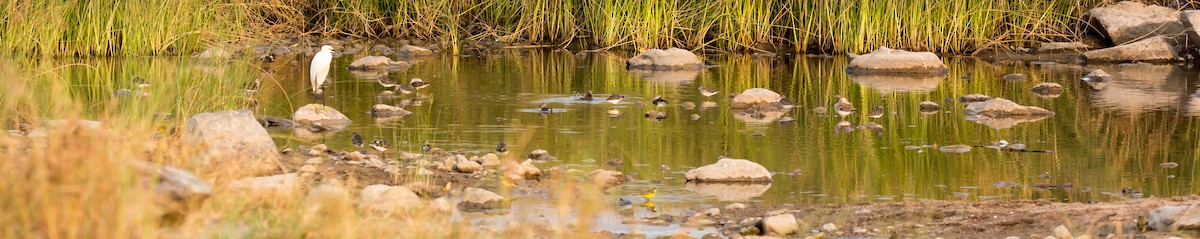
[(233, 139), (1155, 49), (730, 170), (1000, 107), (467, 166), (413, 51), (972, 98), (755, 97), (1050, 47), (1191, 20), (378, 63), (955, 149), (606, 178), (1128, 21), (386, 111), (889, 61), (1047, 89), (387, 200), (324, 115), (780, 225), (669, 59), (477, 198), (1014, 77), (928, 107)]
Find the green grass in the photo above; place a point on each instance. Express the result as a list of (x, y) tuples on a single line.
[(157, 27)]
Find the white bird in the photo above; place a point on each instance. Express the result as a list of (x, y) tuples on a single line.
[(319, 70)]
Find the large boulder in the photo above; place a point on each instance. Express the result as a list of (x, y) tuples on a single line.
[(233, 139), (322, 115), (1000, 107), (387, 200), (1130, 21), (890, 61), (1155, 49), (730, 170), (755, 97), (478, 199), (378, 63), (669, 59), (1191, 20)]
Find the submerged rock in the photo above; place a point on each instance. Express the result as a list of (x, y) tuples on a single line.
[(1014, 77), (233, 139), (1098, 79), (479, 199), (1000, 107), (929, 107), (730, 170), (378, 63), (1047, 89), (755, 98), (322, 115), (955, 149), (669, 59), (889, 61), (384, 199), (1156, 49), (972, 98), (385, 111), (268, 121), (1128, 21), (413, 51)]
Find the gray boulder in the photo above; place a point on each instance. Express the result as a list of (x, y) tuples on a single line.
[(669, 59), (1000, 107), (890, 61), (322, 115), (413, 51), (1129, 21), (1155, 49), (234, 139), (755, 97), (730, 170), (378, 63)]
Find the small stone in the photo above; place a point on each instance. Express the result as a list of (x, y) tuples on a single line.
[(317, 150), (1062, 232), (477, 198), (467, 166), (735, 206), (356, 156), (782, 224), (308, 169), (489, 161), (1169, 165), (314, 161), (829, 227), (1014, 77), (713, 212)]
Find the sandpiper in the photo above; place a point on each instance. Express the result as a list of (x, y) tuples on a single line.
[(140, 82), (357, 140), (659, 101), (417, 83), (502, 148), (787, 104), (426, 147), (615, 98), (706, 92), (404, 89), (875, 113), (587, 97), (843, 107)]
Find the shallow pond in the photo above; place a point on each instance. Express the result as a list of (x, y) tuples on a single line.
[(1101, 141)]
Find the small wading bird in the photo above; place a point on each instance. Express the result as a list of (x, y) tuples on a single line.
[(546, 108), (875, 113), (659, 101), (382, 146), (387, 82), (586, 97), (502, 148), (706, 92), (843, 107), (787, 104), (426, 147), (139, 82), (417, 83), (357, 140), (319, 69), (615, 98)]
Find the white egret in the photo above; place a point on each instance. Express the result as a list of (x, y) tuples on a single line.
[(319, 70)]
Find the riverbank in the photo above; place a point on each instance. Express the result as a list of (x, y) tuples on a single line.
[(78, 28)]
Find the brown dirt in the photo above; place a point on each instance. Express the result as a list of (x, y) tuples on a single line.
[(962, 219)]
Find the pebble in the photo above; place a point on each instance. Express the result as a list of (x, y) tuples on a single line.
[(317, 150), (734, 206), (829, 227)]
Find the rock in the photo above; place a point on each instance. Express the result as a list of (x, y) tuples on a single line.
[(1155, 49), (889, 61), (1062, 232), (1000, 107), (754, 97), (829, 227), (972, 98), (1129, 21), (1191, 20), (892, 83), (413, 51), (467, 166), (681, 235), (1162, 217), (283, 184), (233, 139), (308, 169), (387, 200), (314, 161), (317, 150), (1050, 47), (606, 178), (1014, 77), (324, 116), (1169, 165), (442, 205), (213, 53), (378, 63), (386, 111), (356, 156), (490, 161), (328, 193), (955, 149), (735, 206), (1098, 75), (1188, 219), (477, 198), (927, 107), (529, 170), (730, 191), (782, 225), (177, 190), (1047, 89), (269, 122), (669, 59), (730, 170)]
